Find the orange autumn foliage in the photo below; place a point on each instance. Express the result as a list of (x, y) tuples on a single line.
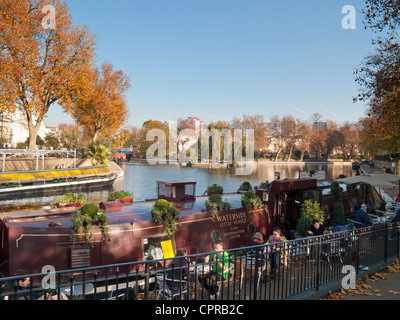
[(39, 65), (99, 102)]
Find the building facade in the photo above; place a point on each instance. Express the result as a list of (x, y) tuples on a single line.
[(14, 129)]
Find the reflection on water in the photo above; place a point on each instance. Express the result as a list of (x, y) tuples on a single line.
[(141, 180)]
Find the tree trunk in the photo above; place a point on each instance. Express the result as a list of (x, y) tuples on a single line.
[(96, 135), (290, 153), (277, 154), (33, 130)]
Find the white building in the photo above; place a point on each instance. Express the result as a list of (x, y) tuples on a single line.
[(196, 123), (14, 129)]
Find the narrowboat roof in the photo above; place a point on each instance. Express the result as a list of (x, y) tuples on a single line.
[(131, 213), (55, 173), (278, 186), (176, 182)]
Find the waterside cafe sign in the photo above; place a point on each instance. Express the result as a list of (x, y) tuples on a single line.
[(232, 224)]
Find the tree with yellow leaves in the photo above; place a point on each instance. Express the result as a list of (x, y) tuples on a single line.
[(98, 102), (39, 61)]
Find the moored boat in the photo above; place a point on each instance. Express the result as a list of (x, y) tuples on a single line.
[(33, 239), (22, 184)]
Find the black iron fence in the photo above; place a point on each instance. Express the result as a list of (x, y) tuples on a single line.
[(264, 272)]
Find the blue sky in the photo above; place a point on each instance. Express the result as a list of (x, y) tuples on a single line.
[(219, 59)]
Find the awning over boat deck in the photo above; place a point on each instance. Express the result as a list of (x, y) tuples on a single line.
[(376, 180), (49, 174)]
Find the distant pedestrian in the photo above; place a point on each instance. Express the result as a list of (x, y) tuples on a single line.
[(362, 218)]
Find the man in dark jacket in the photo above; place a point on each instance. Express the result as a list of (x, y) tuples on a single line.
[(362, 218), (316, 229)]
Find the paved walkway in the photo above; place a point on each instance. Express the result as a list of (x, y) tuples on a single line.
[(384, 285)]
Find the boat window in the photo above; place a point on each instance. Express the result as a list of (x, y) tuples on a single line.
[(251, 229), (215, 236), (159, 247), (311, 195)]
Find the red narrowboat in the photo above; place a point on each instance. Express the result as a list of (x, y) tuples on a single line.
[(33, 239)]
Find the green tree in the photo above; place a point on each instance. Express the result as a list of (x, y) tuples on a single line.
[(51, 141), (98, 154), (309, 211), (338, 214)]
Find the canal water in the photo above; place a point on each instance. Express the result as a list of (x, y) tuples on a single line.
[(140, 179)]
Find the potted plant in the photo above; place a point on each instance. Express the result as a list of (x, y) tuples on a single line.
[(309, 211), (252, 201), (69, 200), (83, 221), (214, 204), (166, 213), (245, 186), (123, 196), (215, 189), (264, 185)]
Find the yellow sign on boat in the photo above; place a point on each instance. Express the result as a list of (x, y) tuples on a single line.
[(167, 249), (49, 174)]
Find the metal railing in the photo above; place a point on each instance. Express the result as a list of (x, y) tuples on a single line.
[(264, 272)]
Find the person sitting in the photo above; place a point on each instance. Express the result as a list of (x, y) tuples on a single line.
[(362, 218), (316, 229), (257, 240), (258, 252), (278, 255), (179, 270), (220, 264), (23, 291)]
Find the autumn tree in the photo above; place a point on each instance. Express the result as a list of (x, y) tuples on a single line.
[(276, 133), (382, 15), (292, 133), (379, 77), (220, 126), (69, 135), (120, 138), (98, 102), (318, 135), (257, 123), (303, 143), (136, 136), (148, 126), (351, 133), (39, 61)]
